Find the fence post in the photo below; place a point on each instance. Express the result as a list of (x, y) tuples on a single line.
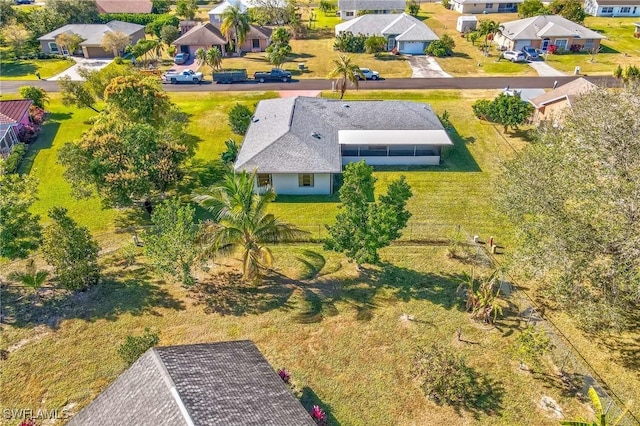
[(319, 237)]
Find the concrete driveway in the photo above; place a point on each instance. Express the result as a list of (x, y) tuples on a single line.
[(425, 67), (92, 64), (545, 70)]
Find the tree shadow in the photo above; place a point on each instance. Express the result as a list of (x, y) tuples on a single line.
[(44, 141), (458, 158), (18, 68), (295, 56), (117, 293), (309, 398), (460, 55), (389, 58), (486, 397)]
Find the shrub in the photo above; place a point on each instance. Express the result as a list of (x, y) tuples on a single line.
[(318, 415), (482, 109), (230, 155), (36, 115), (325, 7), (134, 346), (239, 119), (37, 95), (348, 42), (442, 47), (133, 18), (118, 60), (617, 73), (552, 49), (413, 7), (28, 133), (446, 4), (284, 375), (375, 44), (444, 376), (631, 72), (530, 346), (11, 163)]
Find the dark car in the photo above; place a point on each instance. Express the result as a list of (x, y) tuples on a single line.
[(530, 53), (24, 1)]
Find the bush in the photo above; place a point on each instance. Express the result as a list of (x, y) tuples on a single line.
[(444, 376), (11, 163), (413, 7), (134, 347), (133, 18), (28, 133), (375, 44), (239, 119), (552, 49), (631, 72), (348, 42), (617, 73), (482, 109), (36, 115), (442, 47), (229, 156)]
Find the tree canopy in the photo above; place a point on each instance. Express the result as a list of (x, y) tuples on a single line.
[(569, 9), (279, 48), (235, 23), (507, 110), (573, 198), (531, 8), (19, 228)]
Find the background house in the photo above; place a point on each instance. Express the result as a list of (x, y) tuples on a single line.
[(226, 383), (349, 9), (545, 30), (612, 7), (92, 35), (14, 114), (215, 14), (297, 145), (553, 105), (485, 6), (402, 31), (124, 6)]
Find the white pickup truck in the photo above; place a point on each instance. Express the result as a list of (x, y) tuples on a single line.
[(186, 76)]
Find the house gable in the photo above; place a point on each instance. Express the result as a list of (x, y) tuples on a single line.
[(14, 111)]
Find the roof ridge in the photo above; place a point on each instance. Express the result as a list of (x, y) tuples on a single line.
[(166, 377), (400, 16)]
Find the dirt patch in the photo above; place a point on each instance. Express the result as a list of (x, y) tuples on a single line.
[(551, 408), (40, 332)]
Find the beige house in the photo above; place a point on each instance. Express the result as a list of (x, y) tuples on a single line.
[(543, 31), (209, 35), (552, 105), (485, 6), (92, 35), (350, 9)]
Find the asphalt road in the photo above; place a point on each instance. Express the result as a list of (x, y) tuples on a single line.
[(384, 84)]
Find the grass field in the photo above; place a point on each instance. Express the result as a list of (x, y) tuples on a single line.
[(26, 69), (317, 314)]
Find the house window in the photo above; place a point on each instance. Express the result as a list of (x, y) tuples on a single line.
[(53, 47), (625, 10), (348, 14), (561, 43), (305, 179), (489, 6), (607, 10), (588, 44), (255, 43), (264, 179)]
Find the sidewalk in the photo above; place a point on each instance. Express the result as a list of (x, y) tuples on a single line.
[(545, 70)]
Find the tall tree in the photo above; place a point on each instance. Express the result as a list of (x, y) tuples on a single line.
[(235, 25), (76, 93), (7, 12), (530, 8), (69, 248), (345, 72), (568, 9), (187, 9), (19, 228), (169, 34), (75, 11), (573, 198), (138, 100), (170, 243), (40, 20), (362, 227), (279, 48), (240, 222), (16, 36), (160, 6), (36, 94), (68, 41), (115, 42), (488, 28)]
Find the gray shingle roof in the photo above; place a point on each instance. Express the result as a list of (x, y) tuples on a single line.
[(546, 26), (226, 383), (372, 4), (300, 134), (405, 27), (202, 35), (92, 33)]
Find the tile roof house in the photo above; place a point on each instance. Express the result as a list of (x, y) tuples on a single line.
[(553, 105), (402, 31), (485, 6), (209, 35), (297, 145), (226, 383), (543, 31), (124, 6), (14, 114), (349, 9), (612, 7), (92, 35)]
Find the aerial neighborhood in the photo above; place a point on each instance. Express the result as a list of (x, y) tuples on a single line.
[(342, 212)]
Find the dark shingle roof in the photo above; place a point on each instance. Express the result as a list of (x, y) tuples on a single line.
[(300, 134), (226, 383), (206, 34), (12, 112)]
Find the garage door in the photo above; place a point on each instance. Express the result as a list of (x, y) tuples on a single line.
[(413, 47), (520, 44)]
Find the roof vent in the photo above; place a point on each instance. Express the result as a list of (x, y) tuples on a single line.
[(255, 119), (315, 135), (346, 106)]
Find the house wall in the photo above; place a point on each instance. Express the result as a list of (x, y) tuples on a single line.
[(482, 7), (593, 8), (287, 184), (538, 44), (247, 46), (552, 111), (347, 15), (431, 160)]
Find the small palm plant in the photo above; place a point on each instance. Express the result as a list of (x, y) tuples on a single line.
[(483, 302), (601, 416), (31, 277), (345, 72)]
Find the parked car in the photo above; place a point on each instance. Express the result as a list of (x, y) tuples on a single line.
[(274, 75), (369, 74), (181, 58), (24, 1), (530, 53), (513, 56), (186, 76)]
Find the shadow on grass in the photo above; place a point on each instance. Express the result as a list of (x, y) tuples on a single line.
[(457, 158), (296, 56), (17, 68), (486, 397), (460, 55), (119, 293), (389, 58), (44, 140), (309, 398)]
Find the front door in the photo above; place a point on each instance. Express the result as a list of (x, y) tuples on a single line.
[(545, 44)]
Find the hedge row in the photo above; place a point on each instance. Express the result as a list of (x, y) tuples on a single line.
[(133, 18)]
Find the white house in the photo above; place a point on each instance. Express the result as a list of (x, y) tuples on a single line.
[(402, 31), (612, 7), (485, 6), (349, 9), (297, 145), (215, 14)]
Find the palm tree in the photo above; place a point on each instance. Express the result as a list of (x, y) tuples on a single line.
[(214, 58), (31, 277), (489, 27), (344, 72), (240, 222), (236, 21), (201, 57)]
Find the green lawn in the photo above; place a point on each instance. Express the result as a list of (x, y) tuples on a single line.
[(25, 69)]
